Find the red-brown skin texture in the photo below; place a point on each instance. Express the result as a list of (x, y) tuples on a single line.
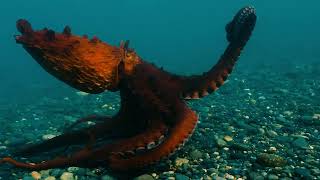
[(153, 121)]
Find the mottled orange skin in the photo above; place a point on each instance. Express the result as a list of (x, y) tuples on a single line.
[(88, 65)]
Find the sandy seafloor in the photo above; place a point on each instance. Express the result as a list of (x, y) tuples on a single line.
[(262, 124)]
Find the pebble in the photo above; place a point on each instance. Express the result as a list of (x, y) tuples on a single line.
[(48, 136), (261, 131), (67, 176), (316, 116), (181, 177), (73, 169), (196, 154), (81, 93), (50, 178), (227, 138), (235, 171), (240, 146), (144, 177), (272, 149), (302, 172), (315, 171), (45, 173), (273, 177), (308, 120), (56, 172), (281, 119), (16, 141), (36, 175), (256, 176), (107, 177), (272, 133), (221, 143), (168, 173), (181, 161), (204, 109), (271, 160), (229, 176), (301, 142), (27, 178)]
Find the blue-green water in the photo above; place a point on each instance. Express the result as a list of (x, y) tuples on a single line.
[(185, 37)]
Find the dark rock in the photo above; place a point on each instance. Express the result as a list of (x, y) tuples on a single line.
[(271, 160), (235, 171), (272, 177), (17, 141), (303, 173), (27, 178), (196, 154), (240, 146), (56, 172), (255, 176), (247, 127), (107, 177), (237, 155), (221, 143), (181, 177), (284, 139), (307, 120), (144, 177), (301, 143)]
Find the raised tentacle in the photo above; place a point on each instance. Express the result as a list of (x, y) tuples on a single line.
[(238, 33)]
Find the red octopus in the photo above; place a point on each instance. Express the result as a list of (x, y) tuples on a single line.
[(153, 121)]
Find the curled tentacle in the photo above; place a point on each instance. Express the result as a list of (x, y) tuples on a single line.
[(238, 33), (241, 27), (177, 136)]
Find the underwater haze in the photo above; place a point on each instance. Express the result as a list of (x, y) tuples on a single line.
[(262, 124)]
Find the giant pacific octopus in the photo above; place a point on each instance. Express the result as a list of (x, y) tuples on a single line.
[(153, 121)]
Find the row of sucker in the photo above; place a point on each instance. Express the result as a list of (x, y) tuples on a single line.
[(142, 149), (150, 139), (238, 33), (182, 143), (179, 133)]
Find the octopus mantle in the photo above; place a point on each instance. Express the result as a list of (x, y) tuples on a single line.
[(153, 121)]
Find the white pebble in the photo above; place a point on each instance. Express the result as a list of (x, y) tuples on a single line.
[(48, 136), (80, 93), (36, 175), (50, 178), (229, 176), (67, 176)]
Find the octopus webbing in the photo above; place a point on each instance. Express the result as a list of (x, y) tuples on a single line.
[(153, 121)]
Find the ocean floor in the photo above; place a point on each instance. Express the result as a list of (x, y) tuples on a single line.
[(262, 124)]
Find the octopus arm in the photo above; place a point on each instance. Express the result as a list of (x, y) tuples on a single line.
[(109, 128), (238, 33), (177, 135), (157, 142)]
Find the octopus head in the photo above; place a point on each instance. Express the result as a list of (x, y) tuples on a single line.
[(88, 65)]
